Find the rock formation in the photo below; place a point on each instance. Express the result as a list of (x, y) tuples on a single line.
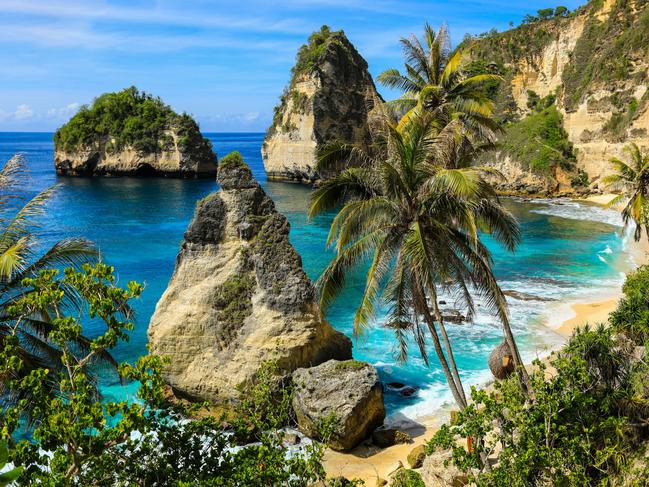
[(238, 297), (596, 62), (349, 390), (329, 98), (130, 133)]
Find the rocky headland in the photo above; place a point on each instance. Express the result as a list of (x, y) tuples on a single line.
[(238, 297), (574, 94), (131, 133), (329, 98)]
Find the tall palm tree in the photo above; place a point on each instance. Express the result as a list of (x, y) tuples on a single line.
[(633, 180), (415, 211), (433, 81), (22, 255)]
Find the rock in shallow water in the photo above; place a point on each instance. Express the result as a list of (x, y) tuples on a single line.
[(238, 297), (350, 390)]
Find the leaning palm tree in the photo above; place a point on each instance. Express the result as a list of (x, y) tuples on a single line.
[(415, 212), (433, 81), (633, 180), (23, 255)]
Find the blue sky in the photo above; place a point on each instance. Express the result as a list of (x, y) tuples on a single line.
[(225, 62)]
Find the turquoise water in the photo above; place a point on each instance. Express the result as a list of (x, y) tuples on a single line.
[(570, 251)]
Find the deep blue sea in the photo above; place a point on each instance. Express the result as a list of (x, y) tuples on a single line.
[(570, 252)]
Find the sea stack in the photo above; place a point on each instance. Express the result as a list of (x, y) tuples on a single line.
[(238, 297), (130, 133), (329, 98)]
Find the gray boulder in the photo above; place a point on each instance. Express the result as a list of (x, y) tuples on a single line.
[(349, 390)]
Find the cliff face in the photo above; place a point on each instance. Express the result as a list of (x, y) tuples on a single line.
[(238, 297), (330, 97), (131, 133), (596, 62), (172, 160)]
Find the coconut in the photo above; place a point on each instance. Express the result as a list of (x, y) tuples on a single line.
[(501, 361)]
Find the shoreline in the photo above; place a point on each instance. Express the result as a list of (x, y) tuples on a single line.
[(370, 463)]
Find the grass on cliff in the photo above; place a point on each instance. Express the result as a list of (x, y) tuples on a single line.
[(128, 118), (607, 50), (539, 141)]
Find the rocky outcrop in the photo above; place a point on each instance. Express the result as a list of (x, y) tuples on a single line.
[(131, 133), (350, 391), (238, 297), (438, 471), (596, 61), (329, 98)]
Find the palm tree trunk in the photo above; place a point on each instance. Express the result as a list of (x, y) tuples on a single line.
[(425, 311), (447, 345)]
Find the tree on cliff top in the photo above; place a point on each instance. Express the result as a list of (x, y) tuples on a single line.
[(128, 118)]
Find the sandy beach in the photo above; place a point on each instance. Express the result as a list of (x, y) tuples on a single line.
[(369, 463)]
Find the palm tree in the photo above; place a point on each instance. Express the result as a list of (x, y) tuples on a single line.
[(633, 179), (415, 212), (433, 81), (21, 257)]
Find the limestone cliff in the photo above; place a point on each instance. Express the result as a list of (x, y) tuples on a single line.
[(595, 61), (238, 296), (329, 98), (130, 133)]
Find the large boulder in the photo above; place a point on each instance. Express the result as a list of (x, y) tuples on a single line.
[(330, 98), (438, 471), (349, 390), (238, 297), (130, 133)]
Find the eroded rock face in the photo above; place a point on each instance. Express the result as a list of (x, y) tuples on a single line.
[(180, 156), (350, 390), (329, 99), (238, 297)]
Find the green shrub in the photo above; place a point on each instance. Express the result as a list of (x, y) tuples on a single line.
[(631, 316), (539, 141), (583, 419), (407, 478), (63, 435)]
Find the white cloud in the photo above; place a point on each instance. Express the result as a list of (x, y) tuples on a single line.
[(64, 112), (23, 112)]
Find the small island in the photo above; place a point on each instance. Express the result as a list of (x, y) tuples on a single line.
[(132, 133)]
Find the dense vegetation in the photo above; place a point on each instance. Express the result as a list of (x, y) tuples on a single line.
[(147, 441), (128, 118), (539, 141), (586, 419), (607, 50)]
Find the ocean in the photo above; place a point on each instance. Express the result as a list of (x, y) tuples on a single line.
[(570, 252)]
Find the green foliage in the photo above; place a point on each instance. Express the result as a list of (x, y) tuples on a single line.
[(578, 428), (579, 179), (631, 317), (309, 53), (300, 101), (606, 50), (79, 441), (128, 118), (539, 141), (11, 475), (233, 160), (407, 478), (232, 302)]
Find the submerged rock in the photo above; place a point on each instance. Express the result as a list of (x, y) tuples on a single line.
[(349, 390), (130, 133), (329, 98), (238, 297)]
